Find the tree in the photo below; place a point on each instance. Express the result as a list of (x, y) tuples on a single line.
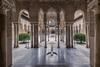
[(80, 37), (24, 36)]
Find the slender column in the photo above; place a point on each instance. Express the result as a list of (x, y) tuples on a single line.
[(97, 46), (87, 36), (58, 36), (48, 33), (45, 36), (16, 35), (41, 35), (62, 35), (67, 35), (55, 35), (71, 35), (58, 23), (45, 30), (35, 35), (32, 35)]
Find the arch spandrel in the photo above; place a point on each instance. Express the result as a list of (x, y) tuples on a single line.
[(20, 5), (69, 7), (72, 7)]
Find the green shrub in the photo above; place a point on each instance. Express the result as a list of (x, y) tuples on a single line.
[(24, 36), (80, 37)]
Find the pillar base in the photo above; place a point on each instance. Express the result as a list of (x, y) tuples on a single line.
[(32, 46), (16, 46), (69, 47), (45, 46), (87, 46), (58, 47), (35, 46), (72, 46)]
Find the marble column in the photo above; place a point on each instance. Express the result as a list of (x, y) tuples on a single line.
[(87, 36), (48, 33), (45, 35), (97, 46), (63, 35), (67, 35), (41, 35), (36, 35), (45, 23), (71, 35), (32, 35), (58, 36), (58, 24), (16, 35)]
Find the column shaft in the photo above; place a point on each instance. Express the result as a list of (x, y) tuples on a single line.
[(45, 36), (67, 36), (45, 23), (58, 36), (32, 35), (36, 35), (58, 23), (16, 35), (71, 36)]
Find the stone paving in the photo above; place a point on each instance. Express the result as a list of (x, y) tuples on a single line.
[(76, 57), (37, 57)]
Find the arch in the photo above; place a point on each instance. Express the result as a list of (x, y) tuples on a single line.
[(24, 10), (26, 13), (78, 12), (40, 16), (51, 12), (51, 16), (62, 15), (62, 18)]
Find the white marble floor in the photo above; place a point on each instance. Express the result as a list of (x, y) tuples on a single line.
[(74, 57)]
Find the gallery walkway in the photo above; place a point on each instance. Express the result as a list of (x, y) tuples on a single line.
[(74, 57)]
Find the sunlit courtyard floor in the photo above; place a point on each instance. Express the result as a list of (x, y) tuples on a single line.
[(39, 57), (74, 57)]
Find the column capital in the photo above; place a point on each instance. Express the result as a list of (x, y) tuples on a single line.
[(34, 23), (15, 23), (94, 6), (69, 23)]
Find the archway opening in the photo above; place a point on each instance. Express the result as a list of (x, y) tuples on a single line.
[(80, 35), (21, 35)]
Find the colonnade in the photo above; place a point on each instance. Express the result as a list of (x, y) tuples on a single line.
[(5, 37), (34, 33)]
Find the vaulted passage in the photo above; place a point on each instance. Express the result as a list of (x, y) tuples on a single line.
[(49, 33)]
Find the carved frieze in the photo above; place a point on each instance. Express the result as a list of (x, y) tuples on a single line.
[(51, 0), (92, 4), (6, 6)]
